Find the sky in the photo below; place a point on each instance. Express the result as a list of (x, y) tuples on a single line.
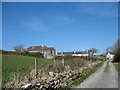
[(67, 26)]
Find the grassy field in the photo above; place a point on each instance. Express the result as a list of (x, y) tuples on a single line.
[(12, 64)]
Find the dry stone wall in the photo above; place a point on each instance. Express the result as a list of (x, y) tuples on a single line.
[(51, 79)]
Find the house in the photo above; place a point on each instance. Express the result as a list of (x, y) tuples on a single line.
[(48, 52), (79, 53), (110, 56)]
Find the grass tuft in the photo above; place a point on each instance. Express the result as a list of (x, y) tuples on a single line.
[(107, 67)]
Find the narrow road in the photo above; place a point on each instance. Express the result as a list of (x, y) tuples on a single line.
[(101, 79)]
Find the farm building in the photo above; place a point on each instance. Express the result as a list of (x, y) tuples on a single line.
[(48, 52), (79, 53), (110, 55)]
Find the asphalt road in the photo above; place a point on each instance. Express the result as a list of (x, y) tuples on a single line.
[(101, 79)]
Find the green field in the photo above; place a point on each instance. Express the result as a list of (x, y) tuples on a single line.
[(12, 64)]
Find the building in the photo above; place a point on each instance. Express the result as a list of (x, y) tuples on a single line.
[(48, 52), (79, 53), (110, 56)]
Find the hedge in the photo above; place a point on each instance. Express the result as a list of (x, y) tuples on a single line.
[(24, 53)]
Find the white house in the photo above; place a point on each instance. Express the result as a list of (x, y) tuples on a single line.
[(110, 56), (79, 53)]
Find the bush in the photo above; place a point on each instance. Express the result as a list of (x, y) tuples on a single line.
[(58, 57), (24, 53), (117, 56), (67, 57), (37, 54), (59, 68), (11, 52), (76, 63)]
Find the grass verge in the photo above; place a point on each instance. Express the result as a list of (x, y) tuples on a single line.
[(79, 80), (117, 65), (107, 67)]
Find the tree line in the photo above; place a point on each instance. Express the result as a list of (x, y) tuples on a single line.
[(115, 49)]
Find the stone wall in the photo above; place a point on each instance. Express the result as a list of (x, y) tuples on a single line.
[(50, 80)]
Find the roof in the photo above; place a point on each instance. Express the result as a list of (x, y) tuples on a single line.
[(69, 53), (39, 48), (110, 53)]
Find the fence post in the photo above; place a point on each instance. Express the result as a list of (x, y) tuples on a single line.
[(36, 68), (17, 76), (63, 61), (54, 60)]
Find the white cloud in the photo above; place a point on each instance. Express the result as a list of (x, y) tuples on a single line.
[(62, 19), (34, 23), (100, 9), (42, 24)]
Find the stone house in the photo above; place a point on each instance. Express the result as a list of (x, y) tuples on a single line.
[(48, 52)]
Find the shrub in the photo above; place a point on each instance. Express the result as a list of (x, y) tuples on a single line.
[(76, 63), (67, 57), (58, 57), (58, 67), (11, 52), (24, 53), (117, 56), (36, 54)]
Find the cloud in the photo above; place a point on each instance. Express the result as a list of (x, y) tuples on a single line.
[(46, 23), (35, 23), (61, 19), (99, 9)]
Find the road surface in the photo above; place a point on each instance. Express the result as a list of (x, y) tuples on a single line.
[(101, 79)]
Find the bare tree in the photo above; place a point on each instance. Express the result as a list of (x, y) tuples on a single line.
[(18, 47), (92, 51)]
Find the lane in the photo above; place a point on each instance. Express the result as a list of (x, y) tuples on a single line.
[(101, 79)]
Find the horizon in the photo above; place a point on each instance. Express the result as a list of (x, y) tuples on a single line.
[(67, 26)]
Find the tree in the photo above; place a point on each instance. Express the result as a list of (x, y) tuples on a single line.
[(18, 48), (117, 51), (117, 45), (92, 51), (117, 56), (109, 50)]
